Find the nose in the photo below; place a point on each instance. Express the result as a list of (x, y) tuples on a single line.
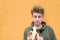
[(37, 18)]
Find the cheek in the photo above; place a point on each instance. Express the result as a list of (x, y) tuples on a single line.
[(34, 19), (40, 19)]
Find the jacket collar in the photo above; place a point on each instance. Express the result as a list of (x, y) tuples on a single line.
[(42, 23)]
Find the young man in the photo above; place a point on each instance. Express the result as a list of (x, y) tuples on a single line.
[(45, 32)]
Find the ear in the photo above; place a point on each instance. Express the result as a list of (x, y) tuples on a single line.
[(43, 15), (32, 17)]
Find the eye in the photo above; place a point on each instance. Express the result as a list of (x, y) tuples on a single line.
[(39, 16), (35, 16)]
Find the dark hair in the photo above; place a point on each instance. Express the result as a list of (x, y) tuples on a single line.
[(37, 9)]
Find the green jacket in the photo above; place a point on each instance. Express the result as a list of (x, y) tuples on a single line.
[(46, 32)]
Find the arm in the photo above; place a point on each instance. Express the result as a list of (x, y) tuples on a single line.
[(27, 30), (25, 35), (52, 34)]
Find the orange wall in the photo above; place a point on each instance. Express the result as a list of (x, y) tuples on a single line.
[(15, 17)]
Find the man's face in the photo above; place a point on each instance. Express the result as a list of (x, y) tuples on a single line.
[(37, 18)]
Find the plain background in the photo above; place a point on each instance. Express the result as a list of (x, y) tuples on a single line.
[(15, 16)]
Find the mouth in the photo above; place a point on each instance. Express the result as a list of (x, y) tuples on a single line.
[(37, 22)]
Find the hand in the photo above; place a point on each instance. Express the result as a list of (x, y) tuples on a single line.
[(41, 38), (29, 37)]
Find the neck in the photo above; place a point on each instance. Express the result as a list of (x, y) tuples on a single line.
[(38, 26)]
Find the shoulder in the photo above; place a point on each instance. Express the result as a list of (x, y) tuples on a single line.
[(27, 29), (51, 32), (50, 29)]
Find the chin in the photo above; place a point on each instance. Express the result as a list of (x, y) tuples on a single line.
[(37, 24)]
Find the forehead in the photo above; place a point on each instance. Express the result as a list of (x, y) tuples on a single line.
[(37, 14)]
